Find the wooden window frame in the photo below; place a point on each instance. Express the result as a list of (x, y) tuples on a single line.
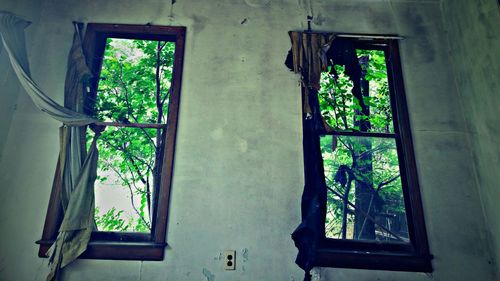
[(126, 245), (413, 256)]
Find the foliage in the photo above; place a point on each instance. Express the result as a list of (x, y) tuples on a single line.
[(134, 87), (362, 169)]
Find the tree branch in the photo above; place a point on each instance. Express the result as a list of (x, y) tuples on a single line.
[(131, 196), (380, 185), (129, 107), (367, 216)]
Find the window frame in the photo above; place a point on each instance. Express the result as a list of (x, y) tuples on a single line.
[(126, 245), (414, 256)]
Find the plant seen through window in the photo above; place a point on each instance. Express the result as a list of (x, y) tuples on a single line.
[(365, 196), (134, 88)]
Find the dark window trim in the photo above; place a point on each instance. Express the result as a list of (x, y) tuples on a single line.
[(126, 245), (414, 256)]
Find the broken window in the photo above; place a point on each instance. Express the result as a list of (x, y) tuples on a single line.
[(361, 206), (135, 94)]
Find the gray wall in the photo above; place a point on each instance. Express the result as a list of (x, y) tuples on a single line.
[(238, 165), (8, 83), (474, 37)]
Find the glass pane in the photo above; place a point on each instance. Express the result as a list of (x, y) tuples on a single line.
[(126, 182), (343, 111), (134, 87), (365, 196), (134, 84)]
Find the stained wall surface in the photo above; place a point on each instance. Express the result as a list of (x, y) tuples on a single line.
[(238, 171), (474, 36), (8, 83)]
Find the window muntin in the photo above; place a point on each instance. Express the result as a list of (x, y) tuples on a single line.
[(143, 244), (381, 122)]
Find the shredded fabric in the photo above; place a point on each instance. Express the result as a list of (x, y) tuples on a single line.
[(310, 54), (78, 169)]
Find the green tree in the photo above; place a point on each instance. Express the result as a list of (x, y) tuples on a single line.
[(134, 87), (362, 173)]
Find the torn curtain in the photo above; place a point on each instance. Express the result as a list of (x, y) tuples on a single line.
[(79, 171), (78, 168), (307, 57), (310, 54)]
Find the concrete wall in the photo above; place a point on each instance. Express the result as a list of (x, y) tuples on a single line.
[(238, 165), (474, 36)]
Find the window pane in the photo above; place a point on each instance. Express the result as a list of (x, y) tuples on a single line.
[(134, 84), (134, 87), (127, 181), (343, 111), (367, 170)]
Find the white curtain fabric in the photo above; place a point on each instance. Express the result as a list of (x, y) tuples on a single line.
[(78, 177), (12, 33), (78, 169)]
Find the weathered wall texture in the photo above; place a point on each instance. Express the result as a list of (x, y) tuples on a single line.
[(238, 165), (474, 36), (8, 83)]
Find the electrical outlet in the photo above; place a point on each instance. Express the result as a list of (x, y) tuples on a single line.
[(229, 260)]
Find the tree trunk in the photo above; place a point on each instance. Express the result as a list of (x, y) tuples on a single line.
[(159, 133), (362, 163)]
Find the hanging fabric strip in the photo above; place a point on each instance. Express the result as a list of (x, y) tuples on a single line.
[(78, 175), (77, 183), (78, 222), (308, 57), (12, 36)]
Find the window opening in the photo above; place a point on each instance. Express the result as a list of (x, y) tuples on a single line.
[(133, 89), (134, 93), (361, 205), (365, 195)]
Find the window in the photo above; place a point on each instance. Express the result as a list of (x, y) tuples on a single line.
[(136, 88), (373, 216)]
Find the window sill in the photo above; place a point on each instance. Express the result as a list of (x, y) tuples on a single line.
[(114, 250), (373, 260)]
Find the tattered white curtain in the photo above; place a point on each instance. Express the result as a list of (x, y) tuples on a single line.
[(78, 169)]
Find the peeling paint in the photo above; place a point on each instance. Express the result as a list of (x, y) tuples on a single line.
[(208, 275), (140, 272), (199, 23), (257, 3), (319, 20), (218, 257), (423, 46), (217, 134), (244, 254), (315, 274), (243, 144)]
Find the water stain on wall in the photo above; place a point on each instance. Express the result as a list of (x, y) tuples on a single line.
[(422, 47), (244, 254), (208, 275)]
